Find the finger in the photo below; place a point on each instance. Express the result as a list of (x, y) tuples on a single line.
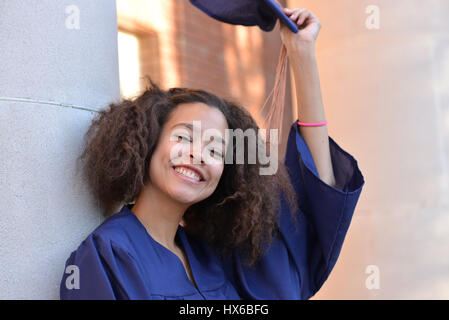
[(303, 17), (295, 16), (290, 12), (312, 16)]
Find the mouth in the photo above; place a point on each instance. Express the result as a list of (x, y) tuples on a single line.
[(188, 173)]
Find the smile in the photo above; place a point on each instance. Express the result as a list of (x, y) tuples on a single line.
[(188, 174)]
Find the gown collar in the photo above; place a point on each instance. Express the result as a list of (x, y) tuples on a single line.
[(206, 268)]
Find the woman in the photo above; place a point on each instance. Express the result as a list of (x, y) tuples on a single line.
[(199, 227)]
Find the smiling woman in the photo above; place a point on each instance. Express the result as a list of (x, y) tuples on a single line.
[(197, 229), (196, 226), (129, 158)]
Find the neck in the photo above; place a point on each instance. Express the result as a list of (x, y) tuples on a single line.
[(159, 214)]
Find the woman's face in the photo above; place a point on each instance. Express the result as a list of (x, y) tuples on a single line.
[(187, 163)]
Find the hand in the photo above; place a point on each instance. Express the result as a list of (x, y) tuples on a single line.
[(308, 24)]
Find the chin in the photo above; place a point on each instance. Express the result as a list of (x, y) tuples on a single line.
[(184, 196)]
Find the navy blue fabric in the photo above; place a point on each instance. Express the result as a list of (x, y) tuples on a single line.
[(120, 260), (241, 12)]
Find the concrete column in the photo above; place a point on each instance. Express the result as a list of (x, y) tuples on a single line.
[(386, 93), (58, 65)]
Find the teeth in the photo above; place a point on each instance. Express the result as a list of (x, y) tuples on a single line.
[(187, 173)]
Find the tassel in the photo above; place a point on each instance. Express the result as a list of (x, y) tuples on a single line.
[(274, 115)]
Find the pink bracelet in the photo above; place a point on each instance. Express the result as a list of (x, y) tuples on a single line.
[(318, 124)]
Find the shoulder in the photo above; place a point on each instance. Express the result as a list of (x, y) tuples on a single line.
[(113, 235)]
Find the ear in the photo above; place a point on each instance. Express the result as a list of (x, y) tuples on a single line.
[(182, 223)]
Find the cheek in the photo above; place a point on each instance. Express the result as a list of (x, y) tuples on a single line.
[(163, 152), (176, 152), (157, 164), (215, 173)]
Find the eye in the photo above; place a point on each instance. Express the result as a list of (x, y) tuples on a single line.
[(214, 152), (182, 138)]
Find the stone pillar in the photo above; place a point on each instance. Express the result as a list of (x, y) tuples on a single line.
[(58, 66), (386, 94)]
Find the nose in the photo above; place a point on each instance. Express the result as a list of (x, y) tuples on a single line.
[(198, 157)]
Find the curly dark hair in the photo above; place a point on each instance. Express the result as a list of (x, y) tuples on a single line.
[(242, 212)]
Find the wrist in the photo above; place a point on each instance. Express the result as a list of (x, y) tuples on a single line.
[(301, 49), (301, 58)]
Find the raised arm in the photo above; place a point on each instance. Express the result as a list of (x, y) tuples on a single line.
[(301, 53)]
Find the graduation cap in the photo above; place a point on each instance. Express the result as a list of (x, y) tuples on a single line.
[(262, 13)]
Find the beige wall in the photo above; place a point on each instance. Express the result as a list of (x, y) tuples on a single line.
[(386, 94)]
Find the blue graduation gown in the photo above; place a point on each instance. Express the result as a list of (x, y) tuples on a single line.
[(120, 260)]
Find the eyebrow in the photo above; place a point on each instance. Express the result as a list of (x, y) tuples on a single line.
[(190, 126)]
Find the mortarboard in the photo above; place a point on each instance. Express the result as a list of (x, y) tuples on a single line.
[(263, 13)]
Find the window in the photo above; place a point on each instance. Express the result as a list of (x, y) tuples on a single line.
[(129, 64)]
